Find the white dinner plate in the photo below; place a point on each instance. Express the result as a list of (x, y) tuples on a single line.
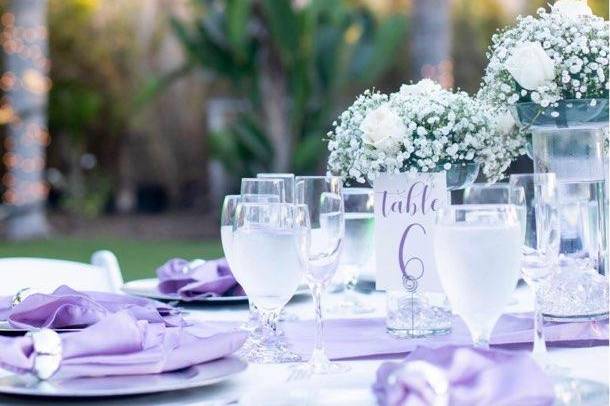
[(5, 327), (148, 288), (193, 377)]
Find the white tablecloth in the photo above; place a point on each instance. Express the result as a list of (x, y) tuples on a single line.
[(588, 363)]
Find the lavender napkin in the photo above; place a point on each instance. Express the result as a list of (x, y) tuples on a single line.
[(66, 308), (463, 376), (122, 345), (209, 278)]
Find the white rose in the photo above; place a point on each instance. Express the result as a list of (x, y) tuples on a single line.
[(423, 87), (505, 123), (530, 66), (382, 128), (572, 8)]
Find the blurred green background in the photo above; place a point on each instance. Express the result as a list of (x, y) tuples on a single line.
[(125, 122)]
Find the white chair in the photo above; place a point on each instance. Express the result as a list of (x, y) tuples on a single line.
[(42, 274)]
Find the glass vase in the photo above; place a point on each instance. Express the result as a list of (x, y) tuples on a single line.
[(571, 140)]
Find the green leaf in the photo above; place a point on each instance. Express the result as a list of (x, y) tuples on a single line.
[(388, 37), (224, 148), (158, 84), (284, 26), (238, 14), (252, 139)]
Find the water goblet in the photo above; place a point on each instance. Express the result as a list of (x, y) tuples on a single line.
[(322, 196), (541, 246), (358, 246), (261, 190), (269, 249), (477, 249), (227, 218)]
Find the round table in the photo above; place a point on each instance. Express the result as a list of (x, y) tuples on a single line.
[(587, 363)]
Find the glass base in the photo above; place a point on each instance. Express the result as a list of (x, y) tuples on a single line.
[(577, 318), (417, 315), (258, 353), (319, 364), (417, 333), (573, 294), (574, 391)]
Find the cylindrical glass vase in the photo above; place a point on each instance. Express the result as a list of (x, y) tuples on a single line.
[(579, 159), (571, 140)]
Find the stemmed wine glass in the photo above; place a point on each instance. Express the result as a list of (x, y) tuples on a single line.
[(227, 219), (260, 190), (358, 246), (269, 249), (477, 249), (322, 196), (541, 247)]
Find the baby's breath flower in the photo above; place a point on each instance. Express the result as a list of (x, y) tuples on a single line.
[(577, 44), (437, 130)]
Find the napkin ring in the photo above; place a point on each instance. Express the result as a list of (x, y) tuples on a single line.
[(47, 352), (21, 295)]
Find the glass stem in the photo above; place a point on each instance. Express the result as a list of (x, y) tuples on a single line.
[(482, 343), (318, 352), (539, 342), (481, 339), (269, 324)]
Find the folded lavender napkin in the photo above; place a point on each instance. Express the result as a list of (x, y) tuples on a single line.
[(198, 279), (465, 376), (122, 345), (68, 308)]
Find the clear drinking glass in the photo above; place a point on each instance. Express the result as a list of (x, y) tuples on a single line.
[(227, 220), (541, 247), (477, 249), (253, 188), (260, 190), (358, 246), (288, 179), (269, 249), (499, 193), (322, 196)]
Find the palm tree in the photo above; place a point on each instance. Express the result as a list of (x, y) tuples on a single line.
[(26, 61)]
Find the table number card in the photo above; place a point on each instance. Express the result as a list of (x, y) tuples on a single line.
[(405, 210)]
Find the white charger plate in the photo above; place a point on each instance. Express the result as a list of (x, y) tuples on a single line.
[(148, 288), (5, 327), (196, 376)]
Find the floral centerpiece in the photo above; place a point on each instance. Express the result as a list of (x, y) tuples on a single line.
[(551, 71), (420, 128), (554, 59)]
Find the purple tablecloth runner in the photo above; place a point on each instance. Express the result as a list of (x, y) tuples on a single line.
[(367, 338)]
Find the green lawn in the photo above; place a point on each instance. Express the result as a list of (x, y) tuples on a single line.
[(138, 259)]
